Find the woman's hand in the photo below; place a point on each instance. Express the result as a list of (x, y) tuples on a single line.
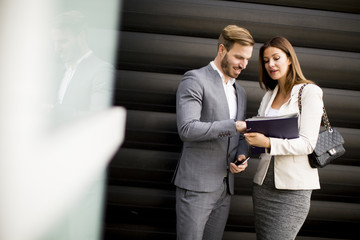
[(257, 140), (241, 167)]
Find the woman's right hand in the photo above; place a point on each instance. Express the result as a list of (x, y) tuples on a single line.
[(257, 140)]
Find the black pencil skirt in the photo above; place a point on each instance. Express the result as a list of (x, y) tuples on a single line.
[(279, 214)]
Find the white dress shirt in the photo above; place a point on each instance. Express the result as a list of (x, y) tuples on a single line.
[(230, 92), (68, 75), (272, 112)]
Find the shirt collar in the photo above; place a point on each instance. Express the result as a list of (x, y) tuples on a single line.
[(87, 54)]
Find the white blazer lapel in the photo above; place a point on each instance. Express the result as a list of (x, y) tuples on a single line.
[(271, 100)]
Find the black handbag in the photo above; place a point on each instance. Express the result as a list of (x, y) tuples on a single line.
[(329, 145)]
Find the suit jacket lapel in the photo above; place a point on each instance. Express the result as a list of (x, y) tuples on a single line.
[(217, 81), (237, 101)]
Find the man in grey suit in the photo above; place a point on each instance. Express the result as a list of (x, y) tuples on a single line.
[(209, 106), (86, 81)]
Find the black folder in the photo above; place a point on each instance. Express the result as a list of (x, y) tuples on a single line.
[(285, 126)]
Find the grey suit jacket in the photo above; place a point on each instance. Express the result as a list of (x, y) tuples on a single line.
[(210, 140), (89, 90)]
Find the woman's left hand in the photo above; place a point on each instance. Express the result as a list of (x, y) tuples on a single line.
[(257, 139)]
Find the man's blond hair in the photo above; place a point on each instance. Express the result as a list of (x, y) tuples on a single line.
[(234, 34)]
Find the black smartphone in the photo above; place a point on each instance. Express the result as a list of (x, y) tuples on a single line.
[(237, 163)]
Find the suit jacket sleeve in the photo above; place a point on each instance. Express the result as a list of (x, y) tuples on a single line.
[(193, 121), (102, 86)]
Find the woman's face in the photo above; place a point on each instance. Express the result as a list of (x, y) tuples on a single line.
[(276, 63)]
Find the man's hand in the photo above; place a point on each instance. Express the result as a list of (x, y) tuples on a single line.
[(240, 126), (241, 167)]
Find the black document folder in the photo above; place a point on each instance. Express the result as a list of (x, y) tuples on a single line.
[(285, 126)]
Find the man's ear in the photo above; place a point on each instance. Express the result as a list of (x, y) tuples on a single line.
[(222, 50)]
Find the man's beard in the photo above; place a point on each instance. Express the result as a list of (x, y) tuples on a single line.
[(226, 68)]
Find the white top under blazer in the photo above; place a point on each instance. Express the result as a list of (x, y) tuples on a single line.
[(291, 166)]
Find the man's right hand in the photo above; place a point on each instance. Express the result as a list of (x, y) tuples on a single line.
[(240, 126)]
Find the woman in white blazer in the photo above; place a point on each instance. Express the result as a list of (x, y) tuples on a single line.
[(284, 180)]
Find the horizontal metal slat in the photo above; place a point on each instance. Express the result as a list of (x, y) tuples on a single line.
[(155, 130), (304, 27), (176, 54), (146, 167), (157, 92), (349, 6), (144, 203)]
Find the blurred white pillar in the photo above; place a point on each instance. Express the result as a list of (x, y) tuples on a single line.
[(42, 173)]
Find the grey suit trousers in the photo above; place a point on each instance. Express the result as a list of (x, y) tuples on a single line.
[(202, 215)]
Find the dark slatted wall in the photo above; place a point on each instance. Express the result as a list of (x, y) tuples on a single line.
[(161, 39)]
